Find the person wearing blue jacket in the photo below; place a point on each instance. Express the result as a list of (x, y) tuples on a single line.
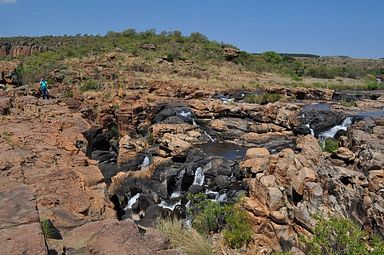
[(44, 88)]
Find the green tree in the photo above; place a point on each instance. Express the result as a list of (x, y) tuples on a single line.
[(130, 32), (198, 37), (272, 57)]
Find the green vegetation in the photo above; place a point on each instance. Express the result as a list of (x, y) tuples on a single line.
[(237, 231), (49, 231), (195, 50), (68, 93), (372, 85), (150, 138), (330, 145), (325, 72), (337, 236), (187, 239), (90, 85), (211, 217), (264, 98), (7, 137), (282, 253), (348, 103)]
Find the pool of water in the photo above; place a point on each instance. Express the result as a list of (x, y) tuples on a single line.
[(227, 150), (369, 114), (319, 107)]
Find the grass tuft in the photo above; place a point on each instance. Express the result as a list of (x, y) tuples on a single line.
[(187, 239)]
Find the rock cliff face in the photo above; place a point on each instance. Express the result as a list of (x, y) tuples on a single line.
[(45, 174), (8, 72), (20, 49)]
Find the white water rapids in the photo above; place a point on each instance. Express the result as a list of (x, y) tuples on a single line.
[(332, 132), (199, 177)]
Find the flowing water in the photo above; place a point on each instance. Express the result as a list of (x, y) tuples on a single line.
[(132, 201), (199, 177), (146, 162), (332, 132), (210, 137)]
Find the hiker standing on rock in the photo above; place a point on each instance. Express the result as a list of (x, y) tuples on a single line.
[(44, 88)]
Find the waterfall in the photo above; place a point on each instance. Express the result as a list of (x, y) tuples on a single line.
[(199, 177), (331, 133), (210, 137), (145, 162), (226, 99), (312, 132), (222, 198), (194, 122), (179, 179), (185, 114), (176, 194), (169, 206), (132, 201)]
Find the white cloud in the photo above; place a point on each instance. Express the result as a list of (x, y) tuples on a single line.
[(7, 1)]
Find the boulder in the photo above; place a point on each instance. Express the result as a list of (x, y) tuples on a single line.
[(322, 120), (172, 145), (275, 199), (23, 239), (217, 166), (222, 182), (148, 46), (116, 237), (345, 154), (376, 180), (231, 53), (129, 149), (5, 105), (257, 153)]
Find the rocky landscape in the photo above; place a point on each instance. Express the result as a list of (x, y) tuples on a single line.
[(104, 170), (140, 126)]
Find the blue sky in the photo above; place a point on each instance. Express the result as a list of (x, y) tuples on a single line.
[(325, 27)]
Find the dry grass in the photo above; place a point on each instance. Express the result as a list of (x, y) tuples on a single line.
[(208, 75), (187, 239)]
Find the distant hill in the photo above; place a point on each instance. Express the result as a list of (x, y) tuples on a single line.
[(299, 55), (171, 52)]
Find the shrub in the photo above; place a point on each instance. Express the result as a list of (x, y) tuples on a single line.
[(189, 240), (330, 145), (372, 85), (272, 57), (197, 37), (341, 236), (68, 93), (348, 103), (320, 72), (6, 136), (139, 67), (262, 99), (271, 97), (150, 138), (90, 85), (49, 231), (210, 216), (237, 232), (296, 77)]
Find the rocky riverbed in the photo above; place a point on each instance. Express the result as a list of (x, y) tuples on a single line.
[(104, 170)]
